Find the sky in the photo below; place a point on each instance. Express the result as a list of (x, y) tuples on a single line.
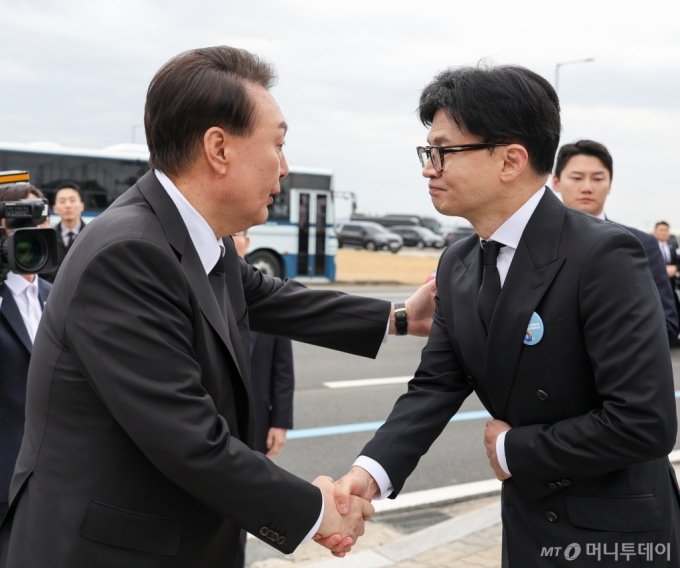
[(76, 72)]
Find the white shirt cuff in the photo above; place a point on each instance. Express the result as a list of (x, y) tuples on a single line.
[(378, 473), (387, 330), (315, 528), (500, 452)]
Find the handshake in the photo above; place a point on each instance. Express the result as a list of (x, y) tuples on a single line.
[(347, 504)]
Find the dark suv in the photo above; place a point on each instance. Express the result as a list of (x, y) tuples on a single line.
[(419, 237), (368, 235)]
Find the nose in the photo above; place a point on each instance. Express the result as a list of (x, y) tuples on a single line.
[(283, 168), (429, 171)]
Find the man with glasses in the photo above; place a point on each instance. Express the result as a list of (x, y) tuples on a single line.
[(551, 317)]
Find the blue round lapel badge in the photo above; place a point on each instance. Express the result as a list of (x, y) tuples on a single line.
[(534, 332)]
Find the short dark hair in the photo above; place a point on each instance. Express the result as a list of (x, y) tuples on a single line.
[(18, 191), (505, 103), (195, 91), (662, 223), (584, 148), (68, 185)]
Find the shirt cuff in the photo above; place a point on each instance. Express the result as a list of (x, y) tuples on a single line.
[(387, 330), (500, 452), (315, 528), (378, 473)]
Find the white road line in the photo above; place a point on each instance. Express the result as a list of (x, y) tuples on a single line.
[(367, 382)]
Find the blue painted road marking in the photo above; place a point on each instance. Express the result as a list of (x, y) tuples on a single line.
[(373, 426)]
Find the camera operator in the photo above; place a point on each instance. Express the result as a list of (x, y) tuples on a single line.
[(69, 205), (22, 297)]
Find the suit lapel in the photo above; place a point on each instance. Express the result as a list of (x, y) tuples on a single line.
[(469, 329), (11, 312), (534, 266), (178, 237)]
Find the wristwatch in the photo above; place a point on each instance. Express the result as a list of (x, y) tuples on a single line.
[(400, 318)]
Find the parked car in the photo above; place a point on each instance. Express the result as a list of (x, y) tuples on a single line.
[(457, 234), (419, 237), (368, 235)]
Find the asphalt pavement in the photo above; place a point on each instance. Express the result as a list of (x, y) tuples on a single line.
[(457, 456)]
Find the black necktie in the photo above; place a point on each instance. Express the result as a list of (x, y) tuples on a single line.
[(71, 237), (218, 284), (491, 282)]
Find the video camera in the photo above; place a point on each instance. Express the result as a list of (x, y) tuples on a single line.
[(27, 250)]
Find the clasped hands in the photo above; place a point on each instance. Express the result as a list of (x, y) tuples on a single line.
[(347, 505), (347, 502)]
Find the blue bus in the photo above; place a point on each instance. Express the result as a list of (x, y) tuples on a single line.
[(298, 240)]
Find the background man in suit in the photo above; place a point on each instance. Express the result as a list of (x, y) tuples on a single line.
[(662, 232), (68, 204), (272, 378), (583, 176), (22, 297), (139, 431), (553, 320), (272, 381)]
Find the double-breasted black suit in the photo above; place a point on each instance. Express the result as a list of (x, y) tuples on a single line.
[(592, 405), (273, 385), (137, 449), (15, 355)]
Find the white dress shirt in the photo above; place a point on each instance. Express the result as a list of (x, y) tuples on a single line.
[(209, 249), (65, 231), (508, 234), (25, 294), (207, 245), (665, 251)]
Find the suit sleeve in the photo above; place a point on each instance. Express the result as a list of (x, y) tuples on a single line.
[(282, 384), (139, 358), (626, 340), (434, 395), (286, 308), (657, 265)]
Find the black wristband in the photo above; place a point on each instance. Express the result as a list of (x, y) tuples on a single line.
[(401, 321)]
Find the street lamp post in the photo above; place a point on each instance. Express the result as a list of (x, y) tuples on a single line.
[(557, 69)]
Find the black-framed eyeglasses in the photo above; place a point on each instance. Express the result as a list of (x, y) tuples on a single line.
[(436, 153)]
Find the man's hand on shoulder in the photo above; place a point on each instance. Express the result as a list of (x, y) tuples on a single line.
[(419, 310)]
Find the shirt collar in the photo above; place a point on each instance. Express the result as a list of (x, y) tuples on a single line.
[(65, 231), (18, 284), (208, 247), (510, 232), (602, 216)]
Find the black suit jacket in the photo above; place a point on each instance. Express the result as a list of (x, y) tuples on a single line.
[(137, 449), (592, 405), (15, 355), (657, 266), (272, 381), (62, 250)]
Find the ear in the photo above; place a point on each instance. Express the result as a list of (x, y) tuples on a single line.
[(81, 207), (515, 160), (556, 184), (217, 144)]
